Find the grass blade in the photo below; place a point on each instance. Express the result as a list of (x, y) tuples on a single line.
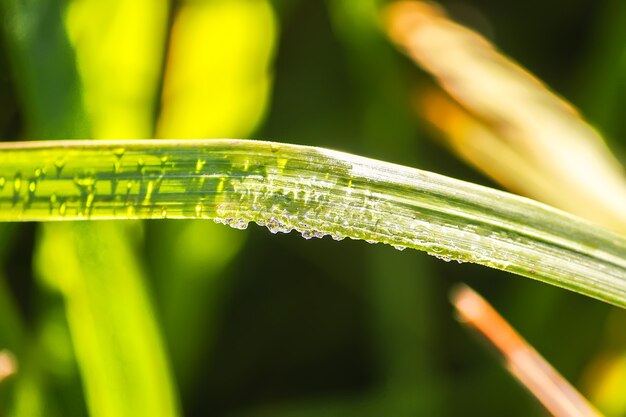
[(525, 363), (506, 122), (316, 192), (116, 339)]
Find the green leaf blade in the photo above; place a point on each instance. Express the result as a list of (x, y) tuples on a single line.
[(316, 192)]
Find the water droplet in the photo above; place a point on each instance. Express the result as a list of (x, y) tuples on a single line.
[(89, 200), (149, 191), (275, 226), (399, 247), (32, 187), (164, 212), (119, 152), (53, 202), (17, 183), (141, 165), (240, 224), (164, 159), (59, 164), (62, 208), (198, 210), (444, 258), (84, 182)]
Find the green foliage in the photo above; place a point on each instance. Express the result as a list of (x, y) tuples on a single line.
[(176, 317), (314, 191)]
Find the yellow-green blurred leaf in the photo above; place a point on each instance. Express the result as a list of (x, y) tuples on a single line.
[(216, 84), (113, 328), (217, 74), (119, 50)]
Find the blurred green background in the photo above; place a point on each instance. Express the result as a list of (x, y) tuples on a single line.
[(192, 318)]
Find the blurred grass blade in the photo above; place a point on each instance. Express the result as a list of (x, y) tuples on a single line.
[(525, 363), (518, 111), (119, 53), (477, 143), (114, 333), (217, 81), (106, 85), (316, 192), (47, 83), (49, 92)]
